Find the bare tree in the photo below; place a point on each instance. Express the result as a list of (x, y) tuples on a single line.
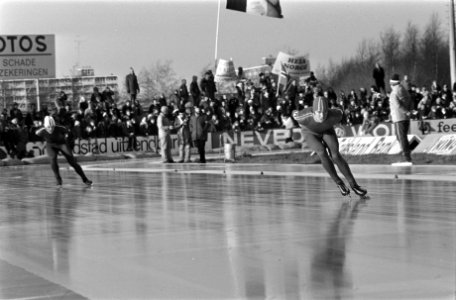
[(410, 50), (389, 43), (430, 44), (159, 78)]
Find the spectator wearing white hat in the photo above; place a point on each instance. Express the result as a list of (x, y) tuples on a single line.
[(400, 106)]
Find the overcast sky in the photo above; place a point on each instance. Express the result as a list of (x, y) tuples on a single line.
[(114, 35)]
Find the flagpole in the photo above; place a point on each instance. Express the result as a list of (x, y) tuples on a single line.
[(217, 32)]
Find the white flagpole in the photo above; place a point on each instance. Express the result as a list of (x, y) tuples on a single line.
[(452, 45), (217, 31)]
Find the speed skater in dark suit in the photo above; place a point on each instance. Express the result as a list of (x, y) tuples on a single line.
[(317, 126), (56, 141)]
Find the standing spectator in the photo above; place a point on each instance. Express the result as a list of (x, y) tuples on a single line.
[(83, 105), (132, 84), (154, 106), (96, 96), (312, 80), (406, 83), (183, 94), (266, 81), (61, 100), (292, 92), (379, 77), (164, 129), (184, 136), (198, 128), (15, 112), (195, 91), (130, 133), (208, 85), (108, 96), (400, 114), (435, 90)]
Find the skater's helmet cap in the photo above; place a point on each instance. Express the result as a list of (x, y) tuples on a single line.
[(320, 109), (49, 122)]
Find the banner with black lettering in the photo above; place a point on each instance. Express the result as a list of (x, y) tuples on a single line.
[(293, 66)]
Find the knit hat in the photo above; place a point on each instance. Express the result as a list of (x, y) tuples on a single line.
[(395, 79), (320, 109)]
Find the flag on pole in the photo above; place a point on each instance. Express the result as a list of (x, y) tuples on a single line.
[(269, 8)]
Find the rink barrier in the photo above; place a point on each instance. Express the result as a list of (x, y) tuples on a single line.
[(382, 137), (440, 144)]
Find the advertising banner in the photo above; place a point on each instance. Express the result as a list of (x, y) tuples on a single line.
[(27, 56), (441, 126), (106, 146), (293, 66), (373, 145), (382, 129), (440, 144), (254, 138)]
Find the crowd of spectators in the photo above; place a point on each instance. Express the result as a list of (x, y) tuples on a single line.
[(256, 105)]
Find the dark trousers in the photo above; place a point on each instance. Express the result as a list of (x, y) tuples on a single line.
[(325, 145), (53, 151), (402, 128), (200, 145)]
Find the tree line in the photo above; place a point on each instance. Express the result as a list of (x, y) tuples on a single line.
[(421, 55)]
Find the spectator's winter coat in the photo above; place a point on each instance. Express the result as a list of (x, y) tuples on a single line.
[(199, 127), (400, 103)]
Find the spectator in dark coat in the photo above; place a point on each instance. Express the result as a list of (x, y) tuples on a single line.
[(183, 94), (208, 85), (96, 96), (15, 112), (198, 128), (195, 91), (379, 77), (132, 84)]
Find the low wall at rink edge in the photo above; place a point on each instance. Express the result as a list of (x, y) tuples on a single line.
[(352, 139)]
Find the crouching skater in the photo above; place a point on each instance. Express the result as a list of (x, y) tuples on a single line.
[(56, 141), (317, 126)]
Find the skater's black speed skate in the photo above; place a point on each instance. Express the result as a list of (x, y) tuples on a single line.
[(361, 192), (343, 189)]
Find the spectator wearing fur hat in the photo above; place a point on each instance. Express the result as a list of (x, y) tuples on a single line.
[(400, 106)]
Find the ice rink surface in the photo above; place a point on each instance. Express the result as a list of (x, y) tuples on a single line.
[(226, 231)]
